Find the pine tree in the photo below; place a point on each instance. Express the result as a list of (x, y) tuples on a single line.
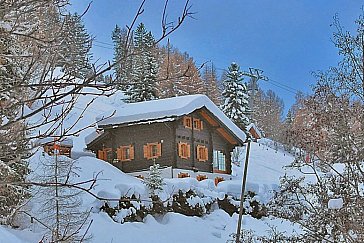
[(154, 181), (145, 67), (235, 96), (123, 47), (75, 47)]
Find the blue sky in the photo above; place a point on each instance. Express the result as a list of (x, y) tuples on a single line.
[(288, 39)]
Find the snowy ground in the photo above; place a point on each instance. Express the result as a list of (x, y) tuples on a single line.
[(265, 168), (264, 171)]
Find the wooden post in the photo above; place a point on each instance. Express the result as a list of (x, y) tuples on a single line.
[(242, 194), (193, 143)]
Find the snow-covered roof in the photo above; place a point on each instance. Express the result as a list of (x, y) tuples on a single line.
[(252, 125), (64, 141), (92, 136), (165, 108)]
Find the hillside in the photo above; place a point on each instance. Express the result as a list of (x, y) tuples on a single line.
[(264, 171), (265, 168)]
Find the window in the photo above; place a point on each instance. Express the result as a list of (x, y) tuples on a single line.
[(187, 122), (197, 124), (202, 153), (152, 150), (105, 154), (184, 150), (125, 153), (219, 161)]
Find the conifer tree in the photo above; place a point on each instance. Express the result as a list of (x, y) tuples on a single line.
[(124, 62), (75, 47), (145, 67), (235, 97), (154, 181)]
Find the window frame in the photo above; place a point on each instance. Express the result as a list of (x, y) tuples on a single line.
[(184, 150), (187, 122), (219, 165), (125, 153), (106, 154), (148, 150), (197, 124), (202, 153)]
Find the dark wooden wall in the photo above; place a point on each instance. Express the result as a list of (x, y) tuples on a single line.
[(206, 137), (138, 136), (171, 133)]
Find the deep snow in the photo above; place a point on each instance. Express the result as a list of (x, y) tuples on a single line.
[(265, 168)]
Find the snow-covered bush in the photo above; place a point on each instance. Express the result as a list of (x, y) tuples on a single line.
[(188, 204), (251, 205), (273, 236), (129, 209)]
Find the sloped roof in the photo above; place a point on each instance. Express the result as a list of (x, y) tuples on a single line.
[(68, 142), (252, 125), (166, 108)]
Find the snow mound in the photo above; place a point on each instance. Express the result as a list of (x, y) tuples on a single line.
[(6, 236), (111, 182)]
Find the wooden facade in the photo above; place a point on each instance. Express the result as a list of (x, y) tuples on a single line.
[(197, 141), (62, 149)]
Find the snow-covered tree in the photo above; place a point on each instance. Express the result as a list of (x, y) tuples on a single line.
[(59, 207), (267, 114), (326, 198), (75, 47), (154, 181), (124, 62), (13, 140), (235, 95), (178, 74), (209, 77), (145, 67)]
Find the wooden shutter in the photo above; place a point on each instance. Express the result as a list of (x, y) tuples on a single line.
[(159, 149), (188, 151), (206, 154), (119, 154), (180, 149), (187, 122), (201, 125), (146, 151), (198, 153), (100, 154), (131, 152)]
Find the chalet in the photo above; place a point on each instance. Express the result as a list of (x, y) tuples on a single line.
[(254, 132), (188, 134), (63, 146)]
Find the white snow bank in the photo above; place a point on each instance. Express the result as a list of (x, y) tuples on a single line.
[(6, 236), (96, 105), (172, 227), (111, 182)]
